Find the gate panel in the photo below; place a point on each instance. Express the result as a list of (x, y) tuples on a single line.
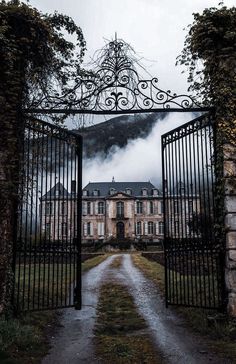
[(194, 252), (47, 262)]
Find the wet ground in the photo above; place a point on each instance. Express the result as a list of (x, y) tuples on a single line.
[(73, 343)]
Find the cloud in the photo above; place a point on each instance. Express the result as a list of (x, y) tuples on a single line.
[(140, 160)]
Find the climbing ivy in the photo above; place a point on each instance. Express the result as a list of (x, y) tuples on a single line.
[(210, 56), (35, 51)]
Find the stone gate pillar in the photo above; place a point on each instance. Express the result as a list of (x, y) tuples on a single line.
[(230, 225)]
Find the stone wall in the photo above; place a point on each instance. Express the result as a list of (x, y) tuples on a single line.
[(230, 223)]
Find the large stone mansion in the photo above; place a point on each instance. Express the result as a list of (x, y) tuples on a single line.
[(110, 210), (116, 211)]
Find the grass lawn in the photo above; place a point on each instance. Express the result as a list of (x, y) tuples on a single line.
[(219, 332), (120, 332), (24, 340)]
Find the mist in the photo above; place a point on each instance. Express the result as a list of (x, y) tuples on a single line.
[(139, 161)]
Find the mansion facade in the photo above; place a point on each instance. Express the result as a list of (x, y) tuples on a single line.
[(117, 210), (122, 210)]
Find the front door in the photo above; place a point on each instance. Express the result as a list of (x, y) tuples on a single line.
[(120, 230)]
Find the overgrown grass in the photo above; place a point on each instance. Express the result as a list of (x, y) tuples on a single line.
[(116, 263), (219, 331), (93, 262), (120, 332), (24, 340)]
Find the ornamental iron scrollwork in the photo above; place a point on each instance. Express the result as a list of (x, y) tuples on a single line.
[(115, 86)]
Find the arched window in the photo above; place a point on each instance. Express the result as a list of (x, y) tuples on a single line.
[(139, 205), (100, 208), (139, 228), (120, 209), (150, 228), (161, 227)]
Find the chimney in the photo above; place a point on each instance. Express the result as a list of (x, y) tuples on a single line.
[(73, 186)]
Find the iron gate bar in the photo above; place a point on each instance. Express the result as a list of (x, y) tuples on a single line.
[(47, 252), (193, 258)]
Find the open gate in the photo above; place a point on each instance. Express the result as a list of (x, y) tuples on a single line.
[(47, 252), (194, 253)]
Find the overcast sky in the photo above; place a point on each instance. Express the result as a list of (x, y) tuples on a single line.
[(153, 27)]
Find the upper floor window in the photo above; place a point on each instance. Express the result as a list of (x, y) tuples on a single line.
[(139, 205), (139, 228), (101, 208), (85, 193), (88, 208), (120, 209), (151, 207), (96, 192), (150, 228), (162, 207), (161, 227), (63, 208), (144, 192), (176, 207), (112, 191), (48, 208)]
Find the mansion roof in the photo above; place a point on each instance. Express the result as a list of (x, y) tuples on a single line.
[(105, 189)]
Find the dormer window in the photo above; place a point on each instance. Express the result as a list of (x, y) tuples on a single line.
[(58, 192), (85, 193), (155, 192), (128, 191), (144, 192), (95, 192), (112, 191)]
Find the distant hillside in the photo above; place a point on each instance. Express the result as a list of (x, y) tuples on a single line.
[(100, 138)]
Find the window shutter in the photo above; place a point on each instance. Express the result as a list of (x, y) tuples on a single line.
[(157, 228), (136, 228), (91, 228), (96, 208), (142, 228), (85, 229), (145, 228), (136, 207), (102, 228)]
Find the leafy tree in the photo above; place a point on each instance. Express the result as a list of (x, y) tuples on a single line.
[(37, 65)]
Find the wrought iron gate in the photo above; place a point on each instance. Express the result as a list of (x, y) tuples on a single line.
[(194, 252), (47, 254)]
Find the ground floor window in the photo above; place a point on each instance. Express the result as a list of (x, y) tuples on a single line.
[(161, 227), (64, 229), (139, 228), (150, 228), (88, 229)]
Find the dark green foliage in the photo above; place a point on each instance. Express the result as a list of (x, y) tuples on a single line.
[(210, 56), (34, 50)]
